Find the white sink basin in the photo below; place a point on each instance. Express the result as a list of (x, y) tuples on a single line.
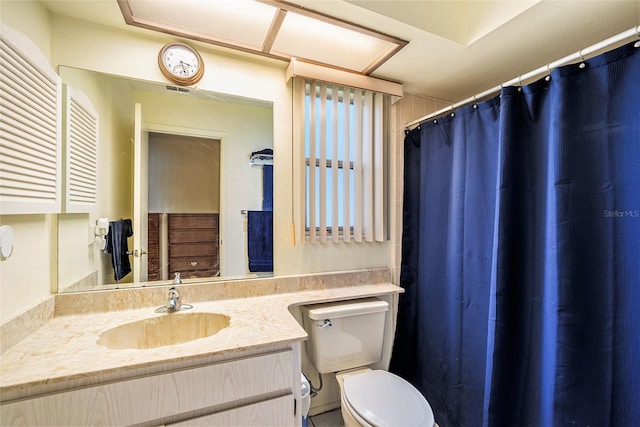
[(168, 329)]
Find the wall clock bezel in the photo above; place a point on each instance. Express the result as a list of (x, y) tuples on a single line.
[(174, 77)]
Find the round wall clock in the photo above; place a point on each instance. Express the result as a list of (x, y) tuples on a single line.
[(181, 64)]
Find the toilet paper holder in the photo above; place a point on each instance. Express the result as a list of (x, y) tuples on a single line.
[(102, 227)]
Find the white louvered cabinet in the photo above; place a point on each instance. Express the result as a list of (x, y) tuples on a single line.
[(80, 148), (30, 128)]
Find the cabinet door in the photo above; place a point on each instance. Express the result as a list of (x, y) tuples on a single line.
[(154, 397), (31, 121), (276, 412)]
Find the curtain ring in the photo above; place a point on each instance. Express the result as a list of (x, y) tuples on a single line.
[(548, 77), (637, 44), (582, 64), (475, 103)]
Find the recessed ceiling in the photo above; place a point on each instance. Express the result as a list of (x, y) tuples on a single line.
[(460, 21), (267, 27)]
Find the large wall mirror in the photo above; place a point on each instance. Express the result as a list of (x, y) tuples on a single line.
[(185, 173)]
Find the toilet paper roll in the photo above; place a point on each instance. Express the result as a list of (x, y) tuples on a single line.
[(306, 396)]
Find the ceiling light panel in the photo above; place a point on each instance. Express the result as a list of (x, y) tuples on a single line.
[(316, 40), (273, 28), (242, 22)]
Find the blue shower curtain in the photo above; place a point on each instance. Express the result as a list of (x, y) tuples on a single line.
[(521, 254)]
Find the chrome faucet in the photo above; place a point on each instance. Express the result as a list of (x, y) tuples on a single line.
[(173, 303)]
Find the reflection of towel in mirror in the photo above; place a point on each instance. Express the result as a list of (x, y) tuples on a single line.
[(267, 188), (117, 247), (267, 152), (260, 240)]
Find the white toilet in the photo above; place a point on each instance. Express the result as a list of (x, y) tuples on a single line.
[(345, 337)]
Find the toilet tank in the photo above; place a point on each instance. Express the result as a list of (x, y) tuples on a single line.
[(345, 334)]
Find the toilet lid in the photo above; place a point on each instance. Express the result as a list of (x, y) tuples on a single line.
[(384, 399)]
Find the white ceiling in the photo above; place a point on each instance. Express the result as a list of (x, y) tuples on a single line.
[(456, 48)]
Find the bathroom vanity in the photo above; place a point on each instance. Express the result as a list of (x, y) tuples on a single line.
[(245, 372), (253, 390)]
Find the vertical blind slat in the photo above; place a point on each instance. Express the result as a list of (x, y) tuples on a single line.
[(357, 160), (312, 162), (302, 156), (378, 188), (346, 170), (323, 163), (335, 235), (367, 164)]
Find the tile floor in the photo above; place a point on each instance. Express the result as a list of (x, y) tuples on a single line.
[(327, 419)]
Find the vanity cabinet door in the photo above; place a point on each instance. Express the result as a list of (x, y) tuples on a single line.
[(153, 399), (276, 412)]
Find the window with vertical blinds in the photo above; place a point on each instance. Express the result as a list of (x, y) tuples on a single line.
[(344, 162), (31, 128)]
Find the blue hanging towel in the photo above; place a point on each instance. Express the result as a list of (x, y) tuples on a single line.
[(267, 187), (116, 245), (260, 240)]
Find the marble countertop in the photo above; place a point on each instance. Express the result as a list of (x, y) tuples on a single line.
[(65, 349)]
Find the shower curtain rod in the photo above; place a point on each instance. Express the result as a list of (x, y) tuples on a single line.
[(629, 34)]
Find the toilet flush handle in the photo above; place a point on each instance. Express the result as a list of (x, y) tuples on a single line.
[(326, 324)]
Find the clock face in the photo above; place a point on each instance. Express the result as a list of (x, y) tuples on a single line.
[(180, 64)]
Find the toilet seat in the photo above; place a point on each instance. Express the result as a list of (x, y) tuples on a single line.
[(382, 399)]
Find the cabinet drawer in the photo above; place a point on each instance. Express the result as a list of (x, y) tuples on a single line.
[(276, 412), (193, 235), (193, 250), (193, 263), (155, 397), (193, 221)]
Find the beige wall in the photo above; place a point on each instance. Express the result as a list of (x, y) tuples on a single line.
[(184, 174), (88, 46), (411, 107)]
